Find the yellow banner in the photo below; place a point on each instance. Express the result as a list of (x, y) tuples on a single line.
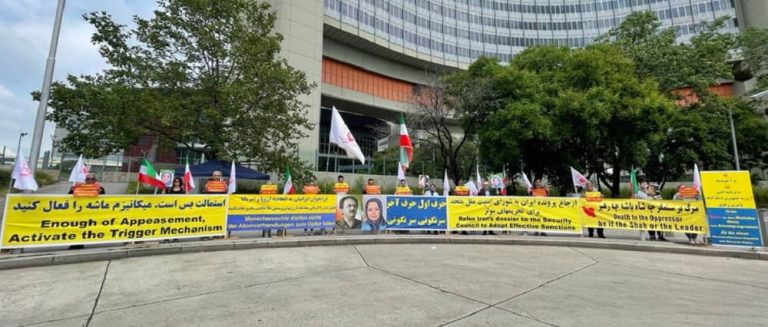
[(281, 203), (635, 214), (514, 213), (727, 189), (36, 220)]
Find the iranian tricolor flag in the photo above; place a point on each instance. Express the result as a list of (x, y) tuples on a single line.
[(189, 181), (406, 147), (148, 175), (288, 188)]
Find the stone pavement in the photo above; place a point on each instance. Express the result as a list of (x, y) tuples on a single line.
[(392, 285)]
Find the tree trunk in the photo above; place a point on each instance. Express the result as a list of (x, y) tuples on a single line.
[(616, 187)]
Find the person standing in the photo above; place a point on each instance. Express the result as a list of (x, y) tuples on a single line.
[(486, 191), (371, 188), (591, 195), (687, 194), (403, 189), (650, 192), (216, 184), (177, 187), (539, 191), (91, 187), (431, 191)]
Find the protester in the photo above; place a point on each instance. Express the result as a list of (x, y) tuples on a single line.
[(177, 187), (374, 217), (403, 189), (341, 187), (371, 188), (216, 184), (588, 191), (651, 195), (486, 190), (540, 191), (684, 194), (91, 187), (431, 191)]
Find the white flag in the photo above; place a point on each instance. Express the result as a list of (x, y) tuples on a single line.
[(79, 171), (472, 188), (479, 179), (232, 180), (189, 181), (696, 178), (341, 136), (578, 178), (22, 175), (400, 173), (528, 185), (446, 186)]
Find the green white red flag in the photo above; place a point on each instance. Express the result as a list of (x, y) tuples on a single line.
[(148, 175), (288, 188)]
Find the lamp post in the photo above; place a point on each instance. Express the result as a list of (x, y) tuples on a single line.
[(37, 136), (733, 138)]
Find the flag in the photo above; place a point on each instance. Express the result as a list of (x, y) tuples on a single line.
[(79, 171), (479, 179), (696, 178), (148, 175), (472, 188), (504, 184), (406, 148), (526, 182), (578, 178), (232, 179), (446, 186), (288, 188), (189, 181), (341, 136), (633, 186), (22, 175), (400, 173)]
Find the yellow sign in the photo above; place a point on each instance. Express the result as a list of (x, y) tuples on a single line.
[(514, 213), (727, 189), (36, 220), (281, 204), (635, 214)]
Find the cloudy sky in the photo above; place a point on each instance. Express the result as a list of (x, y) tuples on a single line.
[(25, 36)]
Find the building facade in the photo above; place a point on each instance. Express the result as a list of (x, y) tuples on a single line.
[(368, 57)]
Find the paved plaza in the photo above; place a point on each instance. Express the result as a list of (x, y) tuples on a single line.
[(392, 285)]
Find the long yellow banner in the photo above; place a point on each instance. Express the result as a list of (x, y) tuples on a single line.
[(35, 220), (514, 213), (657, 215)]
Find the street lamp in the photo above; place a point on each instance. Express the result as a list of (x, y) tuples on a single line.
[(733, 138), (18, 148)]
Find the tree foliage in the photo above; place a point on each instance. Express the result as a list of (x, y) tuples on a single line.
[(198, 72)]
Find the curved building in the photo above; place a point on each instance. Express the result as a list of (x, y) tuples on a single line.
[(368, 57)]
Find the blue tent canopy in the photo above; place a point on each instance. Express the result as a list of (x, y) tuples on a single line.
[(206, 169)]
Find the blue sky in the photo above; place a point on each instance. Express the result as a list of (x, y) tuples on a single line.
[(25, 36)]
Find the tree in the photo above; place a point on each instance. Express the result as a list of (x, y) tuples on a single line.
[(448, 112), (655, 52), (199, 71)]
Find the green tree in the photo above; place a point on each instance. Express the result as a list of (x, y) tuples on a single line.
[(655, 52), (199, 71)]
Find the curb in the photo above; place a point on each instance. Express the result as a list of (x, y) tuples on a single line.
[(101, 254)]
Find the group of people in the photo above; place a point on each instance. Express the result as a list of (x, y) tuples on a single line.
[(373, 218)]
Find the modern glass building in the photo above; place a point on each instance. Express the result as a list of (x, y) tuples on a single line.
[(368, 57), (455, 32)]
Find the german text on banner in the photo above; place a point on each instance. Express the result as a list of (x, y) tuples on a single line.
[(38, 220), (514, 213), (733, 219), (281, 211), (416, 212), (636, 214)]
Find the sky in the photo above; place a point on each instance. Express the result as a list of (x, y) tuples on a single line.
[(25, 35)]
